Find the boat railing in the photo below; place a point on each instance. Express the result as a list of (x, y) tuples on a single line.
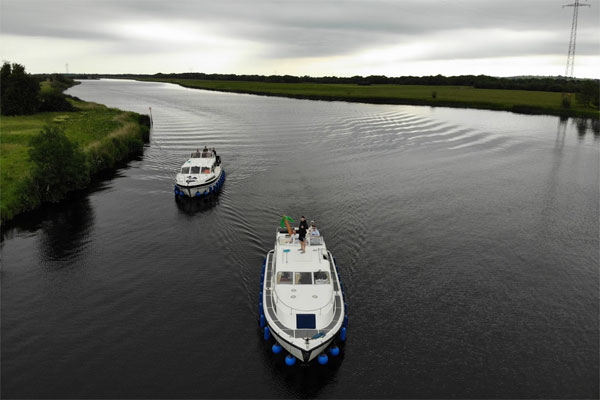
[(313, 240), (203, 154), (286, 239)]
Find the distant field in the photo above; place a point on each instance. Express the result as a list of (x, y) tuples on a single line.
[(530, 102), (93, 125)]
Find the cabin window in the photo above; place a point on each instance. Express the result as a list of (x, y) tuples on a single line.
[(205, 170), (306, 321), (284, 278), (185, 170), (321, 277), (303, 278), (195, 170)]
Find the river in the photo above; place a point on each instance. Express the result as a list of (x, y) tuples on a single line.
[(467, 242)]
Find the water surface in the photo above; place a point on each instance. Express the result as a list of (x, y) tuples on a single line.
[(468, 243)]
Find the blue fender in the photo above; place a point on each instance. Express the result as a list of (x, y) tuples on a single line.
[(290, 360), (276, 348), (323, 359)]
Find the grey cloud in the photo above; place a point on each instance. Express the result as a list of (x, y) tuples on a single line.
[(508, 49), (291, 29)]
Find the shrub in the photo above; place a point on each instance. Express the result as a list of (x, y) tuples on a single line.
[(589, 94), (55, 101), (59, 166), (565, 101)]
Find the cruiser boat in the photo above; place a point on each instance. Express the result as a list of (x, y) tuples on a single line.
[(302, 301), (200, 175)]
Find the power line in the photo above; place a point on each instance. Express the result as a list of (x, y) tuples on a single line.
[(572, 41)]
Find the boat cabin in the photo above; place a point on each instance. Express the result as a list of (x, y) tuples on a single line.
[(303, 283), (201, 167)]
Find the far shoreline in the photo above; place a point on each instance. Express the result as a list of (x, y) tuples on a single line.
[(497, 99)]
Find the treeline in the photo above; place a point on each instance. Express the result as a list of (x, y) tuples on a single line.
[(546, 84), (22, 94)]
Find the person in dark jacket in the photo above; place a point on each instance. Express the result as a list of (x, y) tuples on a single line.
[(302, 229)]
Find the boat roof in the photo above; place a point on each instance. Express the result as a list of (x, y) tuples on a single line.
[(199, 162)]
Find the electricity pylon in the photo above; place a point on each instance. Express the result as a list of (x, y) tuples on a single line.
[(572, 42)]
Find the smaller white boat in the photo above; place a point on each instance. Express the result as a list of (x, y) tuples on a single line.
[(201, 175)]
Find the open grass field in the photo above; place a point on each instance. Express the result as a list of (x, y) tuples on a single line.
[(93, 127), (530, 102)]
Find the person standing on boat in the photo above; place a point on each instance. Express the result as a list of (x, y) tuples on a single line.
[(302, 233)]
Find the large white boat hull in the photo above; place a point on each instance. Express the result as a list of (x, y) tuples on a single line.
[(303, 342)]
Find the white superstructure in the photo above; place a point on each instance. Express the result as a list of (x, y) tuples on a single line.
[(302, 297), (200, 175)]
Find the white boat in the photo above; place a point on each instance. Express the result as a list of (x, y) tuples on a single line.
[(302, 300), (201, 175)]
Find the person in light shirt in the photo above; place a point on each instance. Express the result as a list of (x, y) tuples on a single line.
[(313, 231)]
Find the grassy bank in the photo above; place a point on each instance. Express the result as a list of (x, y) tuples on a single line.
[(106, 136), (521, 101)]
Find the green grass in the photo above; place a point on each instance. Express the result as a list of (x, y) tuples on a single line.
[(103, 133), (530, 102)]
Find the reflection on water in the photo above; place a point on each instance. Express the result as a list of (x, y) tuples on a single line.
[(467, 242), (63, 226), (561, 132), (587, 125), (595, 124), (304, 381), (582, 126), (65, 231), (191, 206)]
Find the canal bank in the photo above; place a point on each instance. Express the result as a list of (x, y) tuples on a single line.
[(106, 137), (531, 102)]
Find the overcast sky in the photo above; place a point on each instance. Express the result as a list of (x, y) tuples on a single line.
[(317, 38)]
